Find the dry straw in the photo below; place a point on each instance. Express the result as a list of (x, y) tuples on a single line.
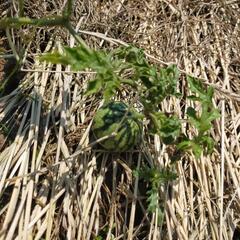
[(55, 185)]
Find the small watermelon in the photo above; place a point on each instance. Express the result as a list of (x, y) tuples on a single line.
[(117, 117)]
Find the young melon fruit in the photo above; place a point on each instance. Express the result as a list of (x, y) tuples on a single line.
[(117, 117)]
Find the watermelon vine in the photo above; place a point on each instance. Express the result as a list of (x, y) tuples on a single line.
[(129, 66)]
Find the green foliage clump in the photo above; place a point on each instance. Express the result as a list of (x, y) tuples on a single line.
[(201, 121), (129, 66), (155, 178)]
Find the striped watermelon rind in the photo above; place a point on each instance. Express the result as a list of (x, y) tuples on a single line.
[(117, 117)]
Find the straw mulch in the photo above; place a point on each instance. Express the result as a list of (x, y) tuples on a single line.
[(54, 184)]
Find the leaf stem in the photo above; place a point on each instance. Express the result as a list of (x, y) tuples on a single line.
[(68, 9), (13, 22)]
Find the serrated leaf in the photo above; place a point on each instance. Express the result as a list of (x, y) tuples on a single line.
[(210, 115), (152, 201), (131, 55), (94, 86), (196, 86), (198, 145), (208, 143), (156, 176), (82, 57), (110, 88), (204, 122), (55, 58), (191, 145), (184, 145), (197, 149), (192, 114), (167, 127)]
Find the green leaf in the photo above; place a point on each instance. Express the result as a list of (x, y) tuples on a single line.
[(167, 127), (197, 149), (55, 58), (203, 123), (198, 145), (210, 114), (196, 86), (81, 58), (131, 55), (191, 112), (156, 176), (110, 88), (191, 145), (184, 145), (94, 86), (207, 143), (156, 84), (194, 98), (152, 200)]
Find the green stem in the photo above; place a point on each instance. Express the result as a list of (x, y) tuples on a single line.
[(68, 10), (79, 40), (62, 21), (153, 119), (72, 31), (11, 44), (18, 22)]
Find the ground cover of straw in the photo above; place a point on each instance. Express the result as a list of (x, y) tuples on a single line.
[(54, 184)]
